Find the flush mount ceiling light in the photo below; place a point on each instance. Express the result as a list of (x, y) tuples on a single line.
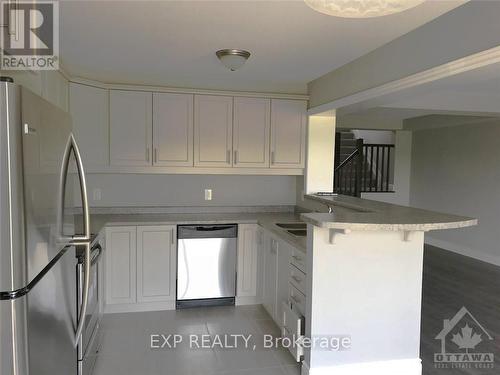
[(232, 58), (361, 8)]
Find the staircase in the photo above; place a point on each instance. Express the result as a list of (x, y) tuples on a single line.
[(361, 167), (347, 146)]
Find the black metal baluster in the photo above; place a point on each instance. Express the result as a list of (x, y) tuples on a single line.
[(388, 166)]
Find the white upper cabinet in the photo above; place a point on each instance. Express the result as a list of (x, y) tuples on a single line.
[(288, 133), (251, 132), (213, 131), (173, 130), (130, 128), (89, 108)]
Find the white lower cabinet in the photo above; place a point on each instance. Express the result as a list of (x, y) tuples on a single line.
[(248, 242), (140, 268), (120, 258), (156, 263)]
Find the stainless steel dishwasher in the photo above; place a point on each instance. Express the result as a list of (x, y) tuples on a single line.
[(206, 265)]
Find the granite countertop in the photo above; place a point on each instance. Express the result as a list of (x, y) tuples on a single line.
[(364, 214), (264, 219)]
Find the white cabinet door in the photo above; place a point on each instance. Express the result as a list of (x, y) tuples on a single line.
[(283, 276), (288, 133), (270, 275), (247, 260), (251, 132), (120, 258), (130, 128), (173, 130), (156, 265), (213, 128), (89, 108)]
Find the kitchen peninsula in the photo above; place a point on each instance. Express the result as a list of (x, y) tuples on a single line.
[(365, 260)]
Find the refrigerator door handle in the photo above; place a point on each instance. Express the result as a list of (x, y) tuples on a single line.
[(77, 239)]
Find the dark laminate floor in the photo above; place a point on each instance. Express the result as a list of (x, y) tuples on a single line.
[(452, 281)]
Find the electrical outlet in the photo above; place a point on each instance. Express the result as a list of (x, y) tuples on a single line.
[(96, 194), (208, 194)]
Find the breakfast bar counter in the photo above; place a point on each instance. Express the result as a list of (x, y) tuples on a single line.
[(365, 261)]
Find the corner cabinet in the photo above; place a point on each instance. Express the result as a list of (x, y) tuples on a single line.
[(89, 108), (140, 265), (130, 115), (288, 133), (213, 131)]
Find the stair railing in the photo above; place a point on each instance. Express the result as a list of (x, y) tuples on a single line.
[(347, 175), (367, 169)]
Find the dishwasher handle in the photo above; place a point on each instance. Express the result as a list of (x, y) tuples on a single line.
[(207, 231)]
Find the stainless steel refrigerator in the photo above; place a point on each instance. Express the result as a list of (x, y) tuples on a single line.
[(42, 188)]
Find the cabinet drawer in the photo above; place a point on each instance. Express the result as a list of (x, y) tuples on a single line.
[(293, 321), (299, 259), (297, 278), (297, 299), (296, 350), (293, 329)]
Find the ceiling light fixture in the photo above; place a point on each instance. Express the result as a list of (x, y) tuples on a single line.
[(361, 8), (233, 58)]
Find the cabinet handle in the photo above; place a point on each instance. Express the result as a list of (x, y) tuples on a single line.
[(156, 155), (172, 236), (147, 153), (272, 157), (235, 156), (228, 156)]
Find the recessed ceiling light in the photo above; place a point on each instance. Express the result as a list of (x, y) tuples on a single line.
[(361, 8), (233, 58)]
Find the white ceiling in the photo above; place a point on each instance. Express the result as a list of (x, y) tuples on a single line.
[(173, 43)]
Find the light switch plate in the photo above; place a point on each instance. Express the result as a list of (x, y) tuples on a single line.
[(208, 194)]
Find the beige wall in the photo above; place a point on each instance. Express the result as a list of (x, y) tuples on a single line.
[(457, 170), (119, 190)]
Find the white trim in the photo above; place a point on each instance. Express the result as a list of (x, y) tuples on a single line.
[(179, 90), (462, 65), (139, 307), (463, 250), (196, 170), (395, 367)]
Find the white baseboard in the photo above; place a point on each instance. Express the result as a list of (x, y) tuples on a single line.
[(396, 367), (462, 250), (137, 307), (251, 300)]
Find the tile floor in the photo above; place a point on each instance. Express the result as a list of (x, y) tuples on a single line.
[(126, 343)]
